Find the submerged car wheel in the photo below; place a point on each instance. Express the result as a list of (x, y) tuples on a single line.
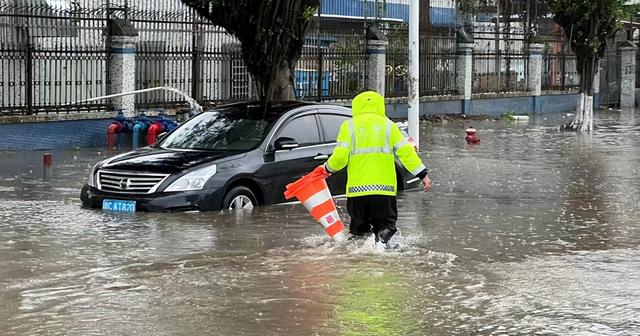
[(239, 198)]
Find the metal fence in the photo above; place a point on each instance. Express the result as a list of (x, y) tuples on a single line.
[(437, 64), (500, 60), (177, 48), (559, 66), (333, 62), (637, 68), (53, 57)]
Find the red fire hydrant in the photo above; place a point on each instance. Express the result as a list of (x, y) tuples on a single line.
[(112, 132), (471, 137), (152, 133)]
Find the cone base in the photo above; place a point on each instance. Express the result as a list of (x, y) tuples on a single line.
[(340, 237)]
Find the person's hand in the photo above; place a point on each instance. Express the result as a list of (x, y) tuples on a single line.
[(321, 170), (426, 183)]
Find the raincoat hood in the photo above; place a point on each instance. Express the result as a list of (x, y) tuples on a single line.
[(368, 102)]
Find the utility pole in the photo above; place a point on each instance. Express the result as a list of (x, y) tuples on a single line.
[(413, 98)]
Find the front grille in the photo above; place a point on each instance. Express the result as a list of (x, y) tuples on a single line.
[(129, 182)]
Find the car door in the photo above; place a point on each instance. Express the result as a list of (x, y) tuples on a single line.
[(330, 121), (283, 166)]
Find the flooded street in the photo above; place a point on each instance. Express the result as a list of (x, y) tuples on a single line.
[(531, 232)]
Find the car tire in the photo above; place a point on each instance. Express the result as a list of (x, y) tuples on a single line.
[(239, 198)]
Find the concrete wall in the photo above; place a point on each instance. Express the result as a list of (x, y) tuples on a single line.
[(400, 110), (54, 135), (500, 106), (558, 103), (552, 103), (46, 133)]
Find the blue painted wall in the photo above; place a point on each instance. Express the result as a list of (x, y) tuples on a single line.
[(357, 8), (93, 133), (439, 16), (558, 103), (490, 106), (54, 134), (400, 110), (499, 106)]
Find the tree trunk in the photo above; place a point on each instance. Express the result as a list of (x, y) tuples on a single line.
[(278, 88), (283, 85), (583, 119)]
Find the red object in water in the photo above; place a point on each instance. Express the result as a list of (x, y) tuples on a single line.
[(153, 131), (471, 137), (113, 129), (47, 159)]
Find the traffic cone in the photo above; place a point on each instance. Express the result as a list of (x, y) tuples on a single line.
[(312, 191)]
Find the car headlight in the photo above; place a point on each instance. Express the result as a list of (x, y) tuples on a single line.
[(194, 180), (91, 180)]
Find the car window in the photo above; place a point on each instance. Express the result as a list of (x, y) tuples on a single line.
[(331, 125), (218, 131), (304, 130)]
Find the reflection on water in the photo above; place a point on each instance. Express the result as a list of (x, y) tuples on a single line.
[(532, 232)]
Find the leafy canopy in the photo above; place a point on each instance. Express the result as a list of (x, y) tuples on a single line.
[(588, 24)]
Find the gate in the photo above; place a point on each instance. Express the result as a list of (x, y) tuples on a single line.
[(610, 79)]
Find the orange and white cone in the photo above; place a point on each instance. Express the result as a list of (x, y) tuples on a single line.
[(312, 191)]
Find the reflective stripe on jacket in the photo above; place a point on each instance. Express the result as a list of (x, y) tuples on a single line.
[(366, 146)]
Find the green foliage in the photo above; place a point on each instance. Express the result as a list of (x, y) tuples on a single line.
[(468, 8), (588, 24), (508, 116)]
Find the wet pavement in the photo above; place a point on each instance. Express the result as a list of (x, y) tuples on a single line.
[(531, 232)]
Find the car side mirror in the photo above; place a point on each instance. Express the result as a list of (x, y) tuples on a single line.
[(285, 143)]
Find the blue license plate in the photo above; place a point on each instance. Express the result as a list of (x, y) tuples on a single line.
[(119, 205)]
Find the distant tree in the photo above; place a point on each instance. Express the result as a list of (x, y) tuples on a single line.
[(467, 9), (271, 35), (587, 24)]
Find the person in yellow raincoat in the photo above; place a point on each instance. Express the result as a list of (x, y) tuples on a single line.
[(366, 145)]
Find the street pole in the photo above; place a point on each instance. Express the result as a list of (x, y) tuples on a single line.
[(413, 99)]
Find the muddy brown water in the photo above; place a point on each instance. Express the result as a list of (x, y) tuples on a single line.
[(531, 232)]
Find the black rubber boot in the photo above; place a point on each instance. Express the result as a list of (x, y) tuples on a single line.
[(385, 234)]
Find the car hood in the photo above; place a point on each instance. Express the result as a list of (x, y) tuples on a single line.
[(164, 160)]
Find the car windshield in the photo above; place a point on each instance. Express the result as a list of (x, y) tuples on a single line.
[(219, 130)]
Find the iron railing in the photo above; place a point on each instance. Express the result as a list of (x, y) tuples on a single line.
[(559, 66), (500, 62), (52, 57)]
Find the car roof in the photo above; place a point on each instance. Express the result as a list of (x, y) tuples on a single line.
[(262, 110)]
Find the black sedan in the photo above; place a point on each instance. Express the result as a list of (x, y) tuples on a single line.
[(235, 156)]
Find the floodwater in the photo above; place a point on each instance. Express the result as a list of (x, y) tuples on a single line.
[(531, 232)]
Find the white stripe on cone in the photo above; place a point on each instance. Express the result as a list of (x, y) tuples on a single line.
[(317, 199)]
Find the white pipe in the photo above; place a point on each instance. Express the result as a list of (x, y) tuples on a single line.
[(413, 99), (192, 103)]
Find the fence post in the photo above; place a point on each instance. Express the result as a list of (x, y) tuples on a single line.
[(596, 86), (464, 70), (197, 45), (535, 73), (29, 71), (320, 73), (122, 63), (376, 60), (627, 74)]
